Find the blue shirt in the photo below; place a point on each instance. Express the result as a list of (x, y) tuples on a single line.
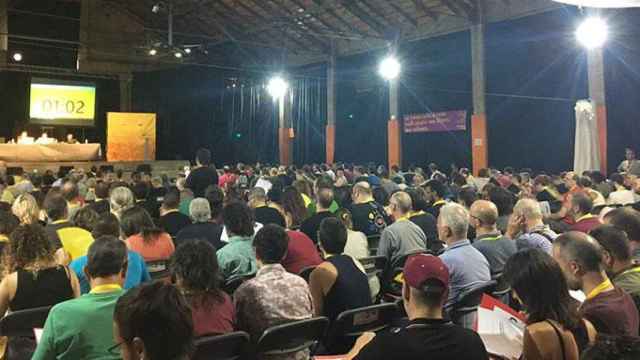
[(538, 238), (137, 272), (468, 268)]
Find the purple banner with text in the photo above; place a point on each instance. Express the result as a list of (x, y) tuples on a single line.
[(434, 122)]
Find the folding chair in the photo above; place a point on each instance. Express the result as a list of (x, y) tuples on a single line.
[(349, 325), (502, 289), (158, 269), (18, 327), (221, 347), (305, 273), (465, 310), (374, 265), (230, 286), (373, 241), (292, 337)]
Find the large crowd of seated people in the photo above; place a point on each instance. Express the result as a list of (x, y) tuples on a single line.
[(139, 266)]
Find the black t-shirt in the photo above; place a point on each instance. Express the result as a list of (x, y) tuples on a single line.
[(267, 215), (369, 218), (209, 232), (311, 225), (173, 222), (200, 178), (100, 206), (425, 339), (427, 223)]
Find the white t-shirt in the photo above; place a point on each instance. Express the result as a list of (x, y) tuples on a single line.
[(357, 246), (621, 197)]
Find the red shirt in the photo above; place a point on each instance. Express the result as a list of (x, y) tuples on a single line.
[(301, 253), (585, 224), (212, 317), (160, 248)]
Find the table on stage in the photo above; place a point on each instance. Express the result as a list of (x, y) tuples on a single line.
[(49, 152)]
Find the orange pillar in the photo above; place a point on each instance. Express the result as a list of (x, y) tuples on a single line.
[(331, 143), (601, 118), (394, 139), (479, 143), (284, 145)]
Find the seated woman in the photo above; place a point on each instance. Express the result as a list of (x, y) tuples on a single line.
[(26, 209), (194, 266), (135, 324), (301, 251), (143, 237), (357, 244), (202, 227), (34, 278), (339, 283), (555, 329)]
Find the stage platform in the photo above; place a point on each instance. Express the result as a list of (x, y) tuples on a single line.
[(170, 168)]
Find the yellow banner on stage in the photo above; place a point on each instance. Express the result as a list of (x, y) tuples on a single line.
[(49, 101), (131, 136)]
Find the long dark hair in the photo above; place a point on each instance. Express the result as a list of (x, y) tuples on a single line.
[(293, 204), (541, 286), (196, 264), (136, 220)]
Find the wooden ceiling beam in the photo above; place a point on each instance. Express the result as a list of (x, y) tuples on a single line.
[(459, 7), (421, 7), (261, 17), (322, 45), (404, 14), (363, 16), (340, 19), (326, 24)]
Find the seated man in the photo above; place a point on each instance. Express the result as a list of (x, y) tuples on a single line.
[(369, 217), (428, 335), (403, 237), (202, 227), (339, 283), (264, 214), (489, 241), (82, 328), (274, 296), (607, 307), (581, 207), (135, 320), (324, 198), (527, 228), (627, 220), (101, 203), (171, 219), (467, 266), (74, 240), (617, 260)]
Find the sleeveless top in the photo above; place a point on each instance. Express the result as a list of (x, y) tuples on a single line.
[(350, 290), (46, 287)]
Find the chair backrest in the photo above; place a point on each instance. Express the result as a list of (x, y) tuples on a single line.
[(292, 337), (353, 323), (221, 347), (373, 241), (158, 269), (305, 273), (464, 311), (22, 323), (374, 265), (230, 286), (502, 289)]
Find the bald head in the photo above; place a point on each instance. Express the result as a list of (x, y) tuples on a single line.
[(402, 202), (485, 212)]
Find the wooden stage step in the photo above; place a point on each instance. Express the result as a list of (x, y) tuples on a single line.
[(159, 167)]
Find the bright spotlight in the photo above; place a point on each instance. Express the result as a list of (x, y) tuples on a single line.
[(17, 57), (178, 55), (389, 68), (277, 87), (592, 33), (153, 52), (187, 51)]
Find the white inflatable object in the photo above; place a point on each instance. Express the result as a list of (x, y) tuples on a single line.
[(602, 3)]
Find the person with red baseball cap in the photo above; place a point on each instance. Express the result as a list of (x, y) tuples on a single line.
[(427, 335)]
